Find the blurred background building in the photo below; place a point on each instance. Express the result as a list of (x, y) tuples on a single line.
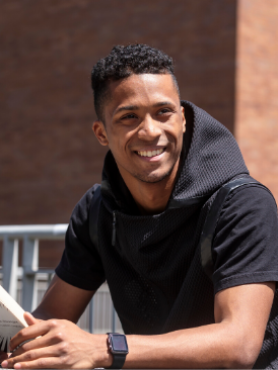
[(226, 61)]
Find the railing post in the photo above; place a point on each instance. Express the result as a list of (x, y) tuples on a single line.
[(113, 319), (30, 266), (10, 265), (91, 315)]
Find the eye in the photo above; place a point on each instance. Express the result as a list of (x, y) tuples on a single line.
[(164, 111), (129, 116)]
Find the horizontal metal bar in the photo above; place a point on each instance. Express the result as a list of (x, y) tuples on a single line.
[(34, 272), (56, 232), (42, 274)]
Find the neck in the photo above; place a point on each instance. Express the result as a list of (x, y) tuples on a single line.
[(152, 198)]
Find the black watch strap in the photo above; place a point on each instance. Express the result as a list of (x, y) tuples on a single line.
[(118, 347), (118, 361)]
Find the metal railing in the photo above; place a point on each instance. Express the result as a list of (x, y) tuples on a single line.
[(27, 284)]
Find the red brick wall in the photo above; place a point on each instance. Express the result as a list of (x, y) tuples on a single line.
[(226, 59), (48, 155), (257, 88)]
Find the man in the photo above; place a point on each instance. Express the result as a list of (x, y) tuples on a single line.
[(167, 160)]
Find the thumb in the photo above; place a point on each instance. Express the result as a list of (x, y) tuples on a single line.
[(30, 319)]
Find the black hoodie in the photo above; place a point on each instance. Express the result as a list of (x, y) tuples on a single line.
[(152, 263)]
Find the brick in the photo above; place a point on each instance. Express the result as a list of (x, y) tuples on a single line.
[(225, 55), (256, 123)]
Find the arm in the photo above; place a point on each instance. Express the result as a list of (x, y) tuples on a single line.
[(63, 301), (58, 340), (68, 305), (233, 341)]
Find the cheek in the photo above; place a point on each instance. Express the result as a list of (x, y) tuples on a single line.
[(175, 136), (122, 137), (118, 146)]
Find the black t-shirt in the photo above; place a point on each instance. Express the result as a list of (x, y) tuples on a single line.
[(245, 250), (245, 246)]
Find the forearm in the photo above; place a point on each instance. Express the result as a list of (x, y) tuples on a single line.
[(235, 341), (211, 346), (63, 344), (42, 314), (63, 301), (50, 310)]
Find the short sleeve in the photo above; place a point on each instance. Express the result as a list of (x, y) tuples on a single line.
[(245, 246), (81, 264)]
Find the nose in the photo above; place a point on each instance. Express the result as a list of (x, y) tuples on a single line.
[(149, 129)]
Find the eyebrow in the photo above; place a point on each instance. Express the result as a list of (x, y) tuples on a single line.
[(127, 107), (135, 107), (161, 104)]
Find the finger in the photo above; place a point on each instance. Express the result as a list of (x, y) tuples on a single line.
[(30, 319), (32, 332), (30, 356), (42, 363), (46, 341)]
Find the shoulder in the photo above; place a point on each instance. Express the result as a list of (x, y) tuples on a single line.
[(249, 200), (245, 246), (79, 220), (248, 209), (81, 209), (81, 265)]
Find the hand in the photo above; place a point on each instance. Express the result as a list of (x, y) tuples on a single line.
[(58, 344)]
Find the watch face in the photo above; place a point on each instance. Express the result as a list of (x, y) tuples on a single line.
[(118, 343)]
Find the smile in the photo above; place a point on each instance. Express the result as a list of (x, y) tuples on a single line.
[(150, 153)]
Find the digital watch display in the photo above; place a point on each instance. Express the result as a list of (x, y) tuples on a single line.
[(117, 344)]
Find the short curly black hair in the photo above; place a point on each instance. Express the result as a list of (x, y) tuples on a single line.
[(122, 62)]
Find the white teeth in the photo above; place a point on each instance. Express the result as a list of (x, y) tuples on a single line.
[(150, 153)]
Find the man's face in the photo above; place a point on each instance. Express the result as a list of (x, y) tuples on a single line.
[(144, 126)]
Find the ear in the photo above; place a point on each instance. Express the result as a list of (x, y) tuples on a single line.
[(100, 133), (183, 119)]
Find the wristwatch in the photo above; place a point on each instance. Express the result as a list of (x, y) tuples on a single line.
[(117, 344)]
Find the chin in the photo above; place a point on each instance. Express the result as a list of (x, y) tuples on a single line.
[(153, 178)]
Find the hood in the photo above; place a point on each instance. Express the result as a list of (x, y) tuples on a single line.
[(160, 247), (210, 157)]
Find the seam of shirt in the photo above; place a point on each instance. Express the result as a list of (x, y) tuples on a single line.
[(241, 279), (64, 274)]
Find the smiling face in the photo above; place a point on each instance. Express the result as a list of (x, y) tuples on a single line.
[(144, 126)]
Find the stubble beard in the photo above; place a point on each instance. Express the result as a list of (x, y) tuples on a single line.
[(152, 178)]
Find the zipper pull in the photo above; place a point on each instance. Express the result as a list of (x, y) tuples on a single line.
[(114, 229)]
